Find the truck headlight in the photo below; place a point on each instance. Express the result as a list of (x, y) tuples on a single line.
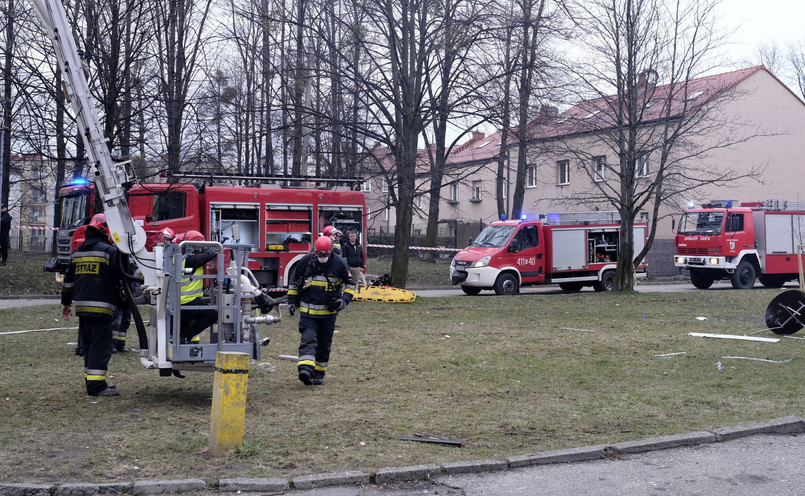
[(482, 262), (713, 261), (679, 259)]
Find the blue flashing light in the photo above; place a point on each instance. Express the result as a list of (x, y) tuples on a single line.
[(728, 204), (523, 217), (79, 181), (691, 204), (502, 216)]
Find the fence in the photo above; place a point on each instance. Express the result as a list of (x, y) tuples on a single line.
[(31, 239)]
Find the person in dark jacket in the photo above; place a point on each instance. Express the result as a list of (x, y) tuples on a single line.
[(353, 252), (5, 234), (320, 287), (195, 320), (91, 282)]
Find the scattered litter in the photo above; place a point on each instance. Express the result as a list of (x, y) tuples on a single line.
[(701, 318), (794, 337), (424, 437), (574, 329), (645, 316), (719, 366), (266, 367), (733, 336), (447, 336), (292, 358), (758, 359), (670, 354)]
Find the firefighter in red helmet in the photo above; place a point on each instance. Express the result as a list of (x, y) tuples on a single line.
[(320, 287), (91, 282), (195, 320)]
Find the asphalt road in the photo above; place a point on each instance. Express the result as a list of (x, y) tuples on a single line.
[(751, 466)]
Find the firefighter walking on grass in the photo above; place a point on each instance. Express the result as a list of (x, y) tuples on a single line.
[(91, 282), (320, 287)]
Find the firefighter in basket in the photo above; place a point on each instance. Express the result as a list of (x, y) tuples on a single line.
[(320, 287), (195, 320)]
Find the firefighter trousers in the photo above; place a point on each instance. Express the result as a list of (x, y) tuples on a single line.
[(316, 341), (96, 336)]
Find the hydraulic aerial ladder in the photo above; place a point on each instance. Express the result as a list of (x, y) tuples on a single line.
[(235, 293)]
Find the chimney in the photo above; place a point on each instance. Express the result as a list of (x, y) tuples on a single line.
[(477, 136)]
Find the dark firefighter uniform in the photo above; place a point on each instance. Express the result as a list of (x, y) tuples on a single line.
[(194, 321), (317, 289), (91, 284)]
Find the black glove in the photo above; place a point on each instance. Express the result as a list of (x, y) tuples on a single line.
[(338, 304), (291, 309)]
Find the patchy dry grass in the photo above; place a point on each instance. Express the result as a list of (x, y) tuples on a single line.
[(506, 375)]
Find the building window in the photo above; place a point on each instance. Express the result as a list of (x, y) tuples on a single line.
[(563, 171), (418, 201), (366, 187), (531, 176), (505, 189), (385, 186), (477, 191), (642, 166), (453, 192), (386, 213), (600, 168)]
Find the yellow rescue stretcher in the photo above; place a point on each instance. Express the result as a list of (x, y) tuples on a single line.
[(386, 294)]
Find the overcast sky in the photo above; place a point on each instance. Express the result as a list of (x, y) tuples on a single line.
[(762, 21)]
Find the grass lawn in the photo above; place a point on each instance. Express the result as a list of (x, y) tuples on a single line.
[(506, 375)]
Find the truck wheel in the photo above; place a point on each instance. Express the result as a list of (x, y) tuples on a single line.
[(772, 281), (571, 287), (470, 290), (507, 285), (701, 279), (606, 282), (744, 276)]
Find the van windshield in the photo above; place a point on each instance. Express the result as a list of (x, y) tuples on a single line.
[(701, 223), (494, 236)]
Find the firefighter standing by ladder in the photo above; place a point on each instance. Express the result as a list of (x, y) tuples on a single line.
[(91, 283)]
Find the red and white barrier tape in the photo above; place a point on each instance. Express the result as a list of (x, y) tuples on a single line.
[(425, 248), (35, 228)]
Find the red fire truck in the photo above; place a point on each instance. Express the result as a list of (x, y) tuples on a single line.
[(572, 249), (280, 223), (723, 240)]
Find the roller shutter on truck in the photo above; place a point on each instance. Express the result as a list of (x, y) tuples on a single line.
[(569, 249)]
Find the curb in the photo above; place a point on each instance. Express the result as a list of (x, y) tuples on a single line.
[(783, 425)]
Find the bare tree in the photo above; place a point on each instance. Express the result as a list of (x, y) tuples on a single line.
[(180, 36), (630, 44)]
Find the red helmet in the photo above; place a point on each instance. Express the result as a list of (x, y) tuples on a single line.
[(193, 235), (168, 234), (323, 246), (178, 238), (327, 230), (99, 222)]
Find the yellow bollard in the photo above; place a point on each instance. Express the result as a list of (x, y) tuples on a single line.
[(228, 401)]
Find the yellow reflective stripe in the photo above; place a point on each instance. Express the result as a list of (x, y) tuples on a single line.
[(322, 284), (350, 291), (78, 260), (320, 368), (91, 377), (293, 292), (313, 311), (104, 311), (306, 362)]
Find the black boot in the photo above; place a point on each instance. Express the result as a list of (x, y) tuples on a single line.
[(306, 376)]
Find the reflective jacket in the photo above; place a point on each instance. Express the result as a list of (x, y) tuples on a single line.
[(192, 285), (314, 286), (92, 279)]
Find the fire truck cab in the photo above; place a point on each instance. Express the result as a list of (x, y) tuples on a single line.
[(756, 240)]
